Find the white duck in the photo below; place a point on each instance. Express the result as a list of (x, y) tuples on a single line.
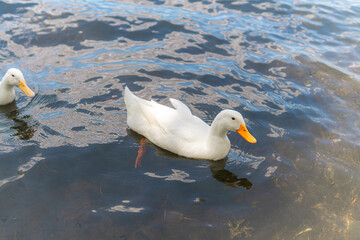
[(12, 78), (180, 132)]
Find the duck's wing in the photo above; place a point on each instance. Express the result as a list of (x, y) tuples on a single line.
[(160, 123), (179, 122), (185, 113), (182, 109)]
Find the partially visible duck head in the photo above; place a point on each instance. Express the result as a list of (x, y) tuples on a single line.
[(14, 77)]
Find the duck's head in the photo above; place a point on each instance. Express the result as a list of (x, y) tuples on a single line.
[(14, 77), (234, 121)]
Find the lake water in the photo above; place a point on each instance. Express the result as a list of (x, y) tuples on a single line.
[(67, 158)]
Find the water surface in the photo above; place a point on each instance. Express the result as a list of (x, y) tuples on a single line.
[(67, 157)]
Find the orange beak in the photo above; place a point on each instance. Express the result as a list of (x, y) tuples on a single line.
[(245, 134), (23, 86)]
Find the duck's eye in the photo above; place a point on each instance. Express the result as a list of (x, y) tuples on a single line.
[(12, 75), (233, 118)]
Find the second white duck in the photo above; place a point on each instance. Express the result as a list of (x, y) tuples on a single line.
[(178, 131), (13, 78)]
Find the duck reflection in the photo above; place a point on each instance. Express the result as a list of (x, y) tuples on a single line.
[(217, 168), (219, 172), (23, 127)]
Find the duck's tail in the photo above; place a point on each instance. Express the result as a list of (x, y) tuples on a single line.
[(129, 97), (127, 92)]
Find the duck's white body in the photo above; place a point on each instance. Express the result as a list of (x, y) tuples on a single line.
[(178, 131), (12, 78)]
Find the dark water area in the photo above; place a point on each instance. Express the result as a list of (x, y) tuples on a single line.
[(67, 157)]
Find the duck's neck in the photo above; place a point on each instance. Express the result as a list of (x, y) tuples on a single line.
[(217, 141), (4, 85), (7, 93), (217, 129)]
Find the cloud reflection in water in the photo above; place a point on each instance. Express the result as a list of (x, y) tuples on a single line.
[(123, 208), (177, 175)]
